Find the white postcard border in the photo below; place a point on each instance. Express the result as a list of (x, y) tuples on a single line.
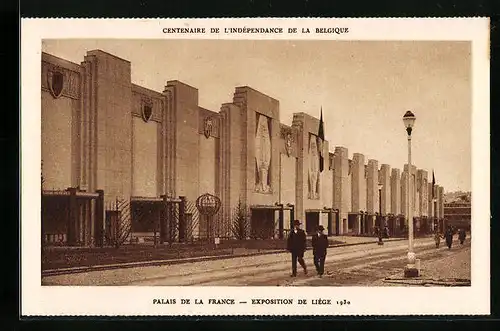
[(48, 300)]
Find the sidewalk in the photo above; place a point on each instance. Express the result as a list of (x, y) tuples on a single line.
[(347, 241)]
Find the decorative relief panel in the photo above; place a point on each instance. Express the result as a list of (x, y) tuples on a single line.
[(263, 154), (351, 165), (209, 124), (286, 134), (60, 81), (313, 183)]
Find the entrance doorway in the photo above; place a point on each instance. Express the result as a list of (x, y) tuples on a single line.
[(352, 219), (262, 223), (312, 222)]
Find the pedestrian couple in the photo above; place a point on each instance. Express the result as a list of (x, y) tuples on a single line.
[(296, 244), (448, 236)]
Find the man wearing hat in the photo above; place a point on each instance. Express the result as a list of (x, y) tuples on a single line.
[(320, 244), (296, 244)]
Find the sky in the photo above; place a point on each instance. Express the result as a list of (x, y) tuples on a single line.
[(363, 87)]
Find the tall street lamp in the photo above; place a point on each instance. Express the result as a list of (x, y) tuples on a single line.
[(410, 270)]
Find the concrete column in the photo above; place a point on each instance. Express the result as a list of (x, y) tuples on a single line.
[(372, 186), (99, 219), (358, 189), (280, 223), (331, 225), (72, 227), (357, 224), (182, 219)]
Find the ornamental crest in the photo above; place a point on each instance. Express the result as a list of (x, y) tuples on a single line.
[(55, 81), (208, 127), (147, 110)]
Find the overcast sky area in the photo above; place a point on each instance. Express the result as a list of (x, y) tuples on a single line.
[(363, 87)]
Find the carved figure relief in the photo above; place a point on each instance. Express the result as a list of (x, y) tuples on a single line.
[(286, 134), (288, 144), (262, 155), (208, 127), (351, 165), (313, 168)]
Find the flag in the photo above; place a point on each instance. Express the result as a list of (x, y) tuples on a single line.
[(433, 183), (321, 135)]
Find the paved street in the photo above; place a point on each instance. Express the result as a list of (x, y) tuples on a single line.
[(362, 265)]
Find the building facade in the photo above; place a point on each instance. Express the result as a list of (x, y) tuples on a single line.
[(120, 161)]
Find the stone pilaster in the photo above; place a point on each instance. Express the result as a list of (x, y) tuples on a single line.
[(396, 191), (340, 198), (422, 184), (385, 180), (358, 190), (111, 106), (372, 198)]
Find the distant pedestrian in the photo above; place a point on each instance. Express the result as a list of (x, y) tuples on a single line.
[(437, 238), (320, 245), (461, 236), (449, 237), (296, 244)]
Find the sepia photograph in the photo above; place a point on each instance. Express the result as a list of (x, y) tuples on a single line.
[(251, 163), (203, 166)]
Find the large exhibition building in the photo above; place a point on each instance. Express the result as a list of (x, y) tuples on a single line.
[(121, 162)]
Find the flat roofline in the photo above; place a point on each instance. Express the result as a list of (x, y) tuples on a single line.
[(173, 82), (139, 87), (48, 57), (95, 51), (244, 87)]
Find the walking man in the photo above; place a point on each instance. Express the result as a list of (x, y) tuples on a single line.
[(437, 238), (449, 237), (461, 236), (296, 244), (320, 244)]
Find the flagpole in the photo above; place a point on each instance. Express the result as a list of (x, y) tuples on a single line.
[(321, 136)]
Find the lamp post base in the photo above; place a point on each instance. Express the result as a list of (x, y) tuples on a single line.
[(411, 271)]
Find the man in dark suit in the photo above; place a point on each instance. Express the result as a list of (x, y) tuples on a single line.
[(320, 244), (296, 244)]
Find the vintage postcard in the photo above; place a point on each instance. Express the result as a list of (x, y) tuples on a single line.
[(255, 167)]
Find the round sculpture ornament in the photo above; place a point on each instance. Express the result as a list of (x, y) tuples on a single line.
[(208, 204)]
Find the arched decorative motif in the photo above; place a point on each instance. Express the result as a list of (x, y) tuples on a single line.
[(55, 81), (146, 109), (262, 154)]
